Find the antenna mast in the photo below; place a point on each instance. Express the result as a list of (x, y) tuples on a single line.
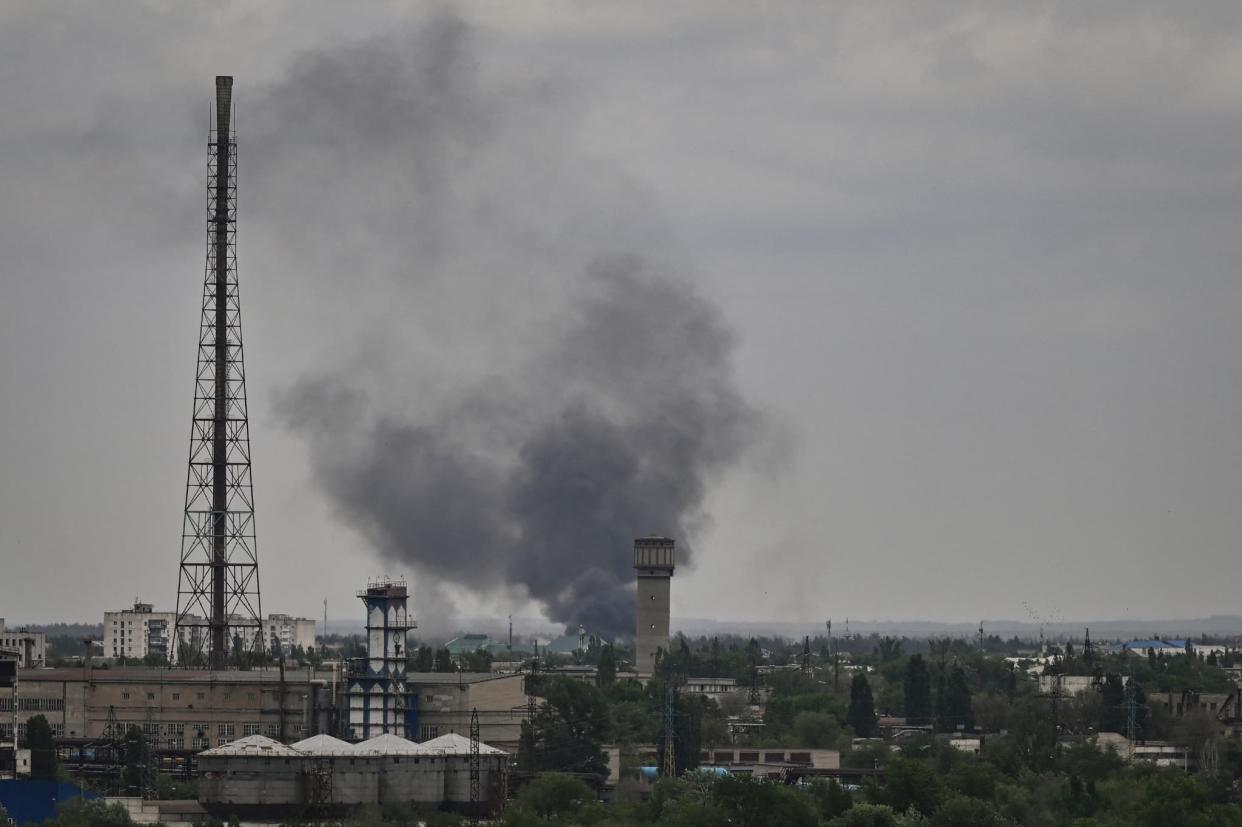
[(218, 586)]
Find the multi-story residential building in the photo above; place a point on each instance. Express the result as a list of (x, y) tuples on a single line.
[(138, 632), (27, 648), (289, 631)]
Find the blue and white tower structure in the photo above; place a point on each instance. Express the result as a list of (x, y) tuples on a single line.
[(376, 688)]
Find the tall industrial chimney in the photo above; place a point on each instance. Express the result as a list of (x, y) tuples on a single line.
[(653, 565)]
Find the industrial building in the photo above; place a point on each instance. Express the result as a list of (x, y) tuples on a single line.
[(653, 566), (441, 703), (183, 710), (259, 777), (29, 649), (377, 690)]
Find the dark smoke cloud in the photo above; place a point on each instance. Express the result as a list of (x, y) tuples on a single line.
[(525, 393)]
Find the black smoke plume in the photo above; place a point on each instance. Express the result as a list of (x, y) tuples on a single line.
[(521, 377)]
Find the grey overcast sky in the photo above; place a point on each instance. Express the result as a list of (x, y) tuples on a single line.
[(967, 272)]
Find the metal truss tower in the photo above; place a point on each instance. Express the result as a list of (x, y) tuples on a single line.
[(218, 590)]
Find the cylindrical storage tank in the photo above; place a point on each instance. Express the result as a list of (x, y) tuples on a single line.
[(457, 779), (417, 778), (248, 782), (355, 780)]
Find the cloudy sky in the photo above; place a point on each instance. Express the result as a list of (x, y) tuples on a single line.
[(941, 302)]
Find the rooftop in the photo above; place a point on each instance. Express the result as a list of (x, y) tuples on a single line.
[(323, 745), (387, 744), (140, 674), (256, 745), (454, 744)]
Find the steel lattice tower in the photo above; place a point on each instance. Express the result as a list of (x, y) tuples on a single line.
[(218, 590)]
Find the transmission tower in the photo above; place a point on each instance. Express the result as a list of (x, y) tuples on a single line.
[(806, 655), (476, 766), (754, 698), (1131, 704), (218, 587), (150, 756), (668, 766)]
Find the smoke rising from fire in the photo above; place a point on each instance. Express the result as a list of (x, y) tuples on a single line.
[(519, 376)]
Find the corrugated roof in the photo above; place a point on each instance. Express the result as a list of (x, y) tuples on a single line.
[(387, 744), (323, 745), (257, 745), (454, 744)]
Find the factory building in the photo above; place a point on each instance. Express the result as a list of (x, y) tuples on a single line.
[(377, 688), (440, 703), (180, 709), (258, 777), (29, 649), (653, 566)]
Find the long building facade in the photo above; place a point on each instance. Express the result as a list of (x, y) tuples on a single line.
[(178, 709)]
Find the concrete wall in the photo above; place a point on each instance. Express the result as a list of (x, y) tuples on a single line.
[(446, 707), (653, 606)]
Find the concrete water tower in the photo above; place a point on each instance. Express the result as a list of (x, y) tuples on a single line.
[(653, 566)]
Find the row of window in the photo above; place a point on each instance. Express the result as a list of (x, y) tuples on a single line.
[(173, 734), (32, 704), (200, 696), (6, 731), (40, 704)]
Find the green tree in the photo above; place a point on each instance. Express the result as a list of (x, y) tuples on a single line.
[(962, 811), (42, 746), (830, 798), (607, 665), (861, 715), (817, 730), (444, 661), (866, 815), (756, 803), (909, 784), (423, 660), (957, 701), (889, 649), (569, 728), (555, 797), (80, 812), (917, 691)]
